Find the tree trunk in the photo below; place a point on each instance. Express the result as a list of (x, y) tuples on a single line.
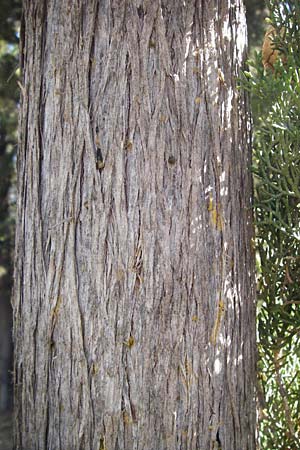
[(134, 295), (5, 345)]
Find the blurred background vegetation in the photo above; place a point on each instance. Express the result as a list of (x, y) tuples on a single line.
[(275, 100), (10, 13)]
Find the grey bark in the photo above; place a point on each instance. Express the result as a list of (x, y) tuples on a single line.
[(134, 321)]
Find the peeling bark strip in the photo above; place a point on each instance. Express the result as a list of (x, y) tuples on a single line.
[(134, 295)]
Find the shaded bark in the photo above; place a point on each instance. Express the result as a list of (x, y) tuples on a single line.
[(6, 271), (134, 314), (6, 360)]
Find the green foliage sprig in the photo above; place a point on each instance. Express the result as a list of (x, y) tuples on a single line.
[(276, 166)]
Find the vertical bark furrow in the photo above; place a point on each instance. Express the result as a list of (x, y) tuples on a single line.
[(134, 285)]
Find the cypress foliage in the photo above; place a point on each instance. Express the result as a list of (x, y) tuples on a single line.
[(275, 92)]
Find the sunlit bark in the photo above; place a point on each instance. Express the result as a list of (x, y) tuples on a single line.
[(134, 297)]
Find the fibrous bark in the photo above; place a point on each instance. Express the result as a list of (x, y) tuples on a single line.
[(134, 317)]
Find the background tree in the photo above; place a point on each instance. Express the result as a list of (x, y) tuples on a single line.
[(276, 106), (10, 12), (256, 12), (134, 300)]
